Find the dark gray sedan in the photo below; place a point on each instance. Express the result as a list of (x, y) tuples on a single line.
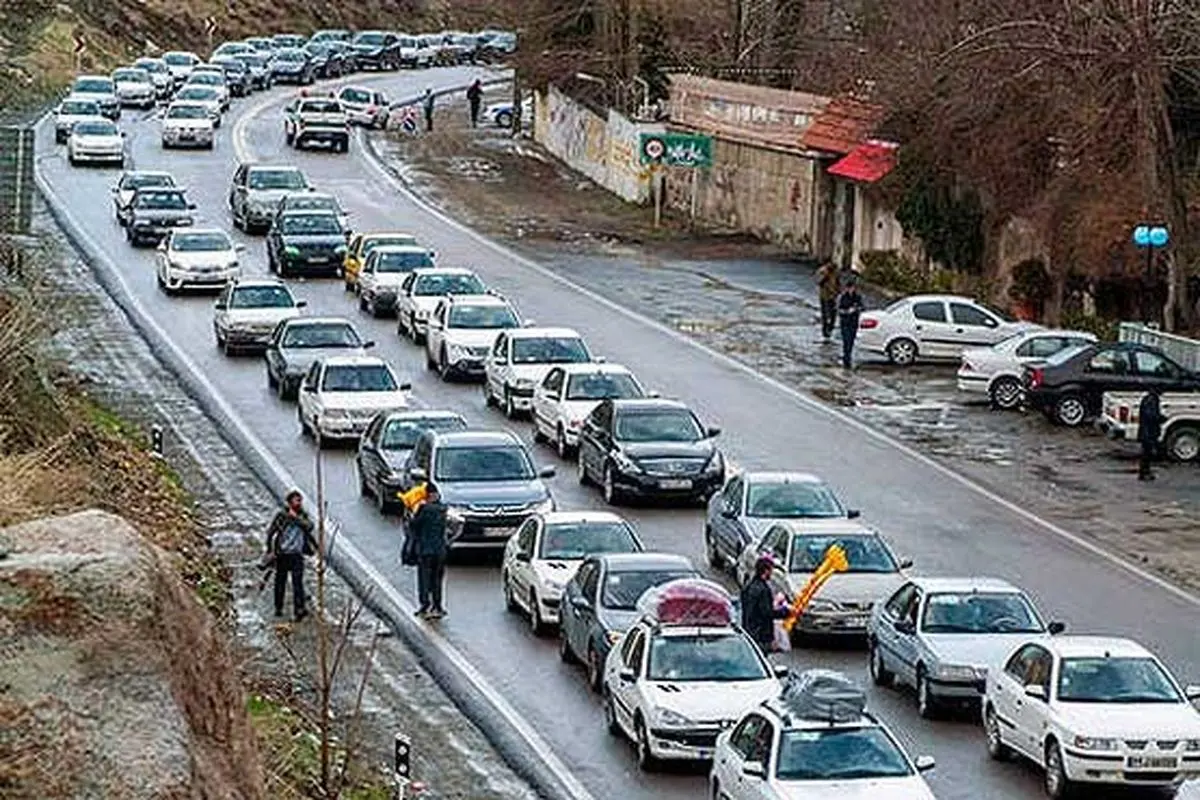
[(384, 449), (297, 343)]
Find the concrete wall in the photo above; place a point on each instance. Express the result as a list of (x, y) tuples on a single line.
[(764, 192), (875, 227), (605, 149)]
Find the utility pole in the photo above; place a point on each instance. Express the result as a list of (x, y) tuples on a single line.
[(322, 629), (739, 30)]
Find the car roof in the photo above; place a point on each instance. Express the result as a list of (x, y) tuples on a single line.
[(258, 283), (640, 403), (564, 517), (643, 562), (1068, 646), (319, 321), (541, 333), (827, 526), (201, 231), (1032, 332), (594, 368), (965, 584), (273, 167), (443, 271), (424, 413), (368, 235), (92, 76), (353, 361), (307, 212), (310, 195), (399, 248), (917, 298), (475, 438), (147, 172), (175, 188), (773, 476), (185, 102), (474, 299)]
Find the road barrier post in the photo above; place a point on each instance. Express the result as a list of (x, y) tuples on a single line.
[(156, 440), (402, 766)]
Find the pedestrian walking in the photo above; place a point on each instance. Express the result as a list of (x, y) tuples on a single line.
[(427, 103), (849, 307), (827, 287), (427, 545), (1150, 422), (475, 98), (289, 540), (759, 611)]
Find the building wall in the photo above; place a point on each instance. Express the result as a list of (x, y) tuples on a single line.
[(875, 227)]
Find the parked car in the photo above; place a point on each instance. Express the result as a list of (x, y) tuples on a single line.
[(1068, 388), (997, 371), (377, 50), (363, 106), (1180, 433), (292, 65), (933, 326), (71, 110), (384, 449)]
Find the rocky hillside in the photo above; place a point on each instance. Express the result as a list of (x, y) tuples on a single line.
[(115, 681)]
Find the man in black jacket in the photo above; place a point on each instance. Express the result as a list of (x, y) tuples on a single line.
[(289, 540), (427, 541), (1150, 422), (849, 307), (758, 606)]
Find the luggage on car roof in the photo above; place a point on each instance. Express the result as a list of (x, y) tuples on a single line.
[(824, 694)]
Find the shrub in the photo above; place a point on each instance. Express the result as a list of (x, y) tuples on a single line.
[(1106, 329), (892, 271)]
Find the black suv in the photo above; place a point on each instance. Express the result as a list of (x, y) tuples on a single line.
[(649, 447), (154, 212), (486, 478), (306, 242)]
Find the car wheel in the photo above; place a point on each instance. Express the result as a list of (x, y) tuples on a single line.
[(383, 503), (272, 384), (610, 715), (902, 352), (612, 495), (510, 600), (1058, 785), (363, 305), (1070, 410), (715, 790), (430, 364), (926, 702), (488, 399), (710, 548), (443, 366), (561, 446), (304, 429), (595, 669), (996, 747), (504, 119), (645, 759), (1183, 443), (581, 471), (285, 392), (349, 285), (879, 673), (565, 653), (1006, 393), (510, 408), (228, 349), (536, 624)]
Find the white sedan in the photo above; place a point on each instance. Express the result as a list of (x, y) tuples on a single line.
[(569, 392), (997, 371), (70, 111), (340, 396), (1091, 709), (206, 96), (933, 326), (520, 360), (423, 289), (546, 552), (187, 124), (248, 311), (213, 79), (204, 258), (135, 87), (95, 141)]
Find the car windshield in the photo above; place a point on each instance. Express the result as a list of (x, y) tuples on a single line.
[(573, 541), (187, 112), (291, 55), (402, 262), (603, 386), (793, 500), (556, 350), (152, 66), (833, 754), (400, 240), (979, 612), (358, 378), (310, 225), (500, 463), (261, 297), (95, 127), (252, 59), (200, 242), (177, 59), (373, 39), (481, 317), (402, 434), (434, 285), (329, 335), (1115, 680), (94, 85), (207, 78), (79, 108), (727, 657), (356, 96), (622, 589), (275, 179), (664, 425), (197, 93), (140, 180), (1066, 354), (164, 200), (132, 75), (863, 553), (321, 107), (311, 202)]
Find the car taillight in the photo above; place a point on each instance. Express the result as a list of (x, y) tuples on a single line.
[(867, 323), (1123, 413), (1035, 378), (967, 366), (372, 110)]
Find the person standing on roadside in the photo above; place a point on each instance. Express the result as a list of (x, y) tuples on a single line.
[(849, 307), (289, 540), (427, 543), (427, 103), (758, 605), (1150, 422), (827, 287), (475, 98)]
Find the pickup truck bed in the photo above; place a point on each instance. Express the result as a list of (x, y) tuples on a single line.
[(1181, 431)]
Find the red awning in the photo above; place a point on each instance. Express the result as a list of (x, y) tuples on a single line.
[(868, 162)]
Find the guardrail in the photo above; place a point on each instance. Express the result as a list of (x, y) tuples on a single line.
[(1182, 350)]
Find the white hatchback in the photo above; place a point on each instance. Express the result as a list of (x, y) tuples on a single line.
[(933, 326), (998, 371), (569, 392)]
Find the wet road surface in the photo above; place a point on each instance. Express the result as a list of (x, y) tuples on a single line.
[(945, 526)]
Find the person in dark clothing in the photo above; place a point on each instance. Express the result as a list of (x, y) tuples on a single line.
[(289, 540), (475, 98), (827, 287), (427, 541), (849, 307), (1150, 422), (758, 606), (427, 103)]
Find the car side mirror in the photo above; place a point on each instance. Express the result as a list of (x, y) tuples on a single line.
[(599, 360), (301, 303), (1192, 692), (729, 513), (581, 603), (924, 763), (162, 246), (781, 671), (367, 345), (547, 472), (406, 387), (853, 513), (192, 207), (652, 394), (905, 626), (906, 563), (220, 305), (529, 323), (627, 675), (523, 557), (418, 474), (713, 432), (239, 247), (310, 389), (1036, 691), (114, 190), (754, 769), (1056, 628)]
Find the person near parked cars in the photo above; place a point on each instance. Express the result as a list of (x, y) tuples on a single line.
[(1150, 422), (475, 98), (427, 545), (827, 287), (427, 103), (759, 610), (849, 308), (289, 540)]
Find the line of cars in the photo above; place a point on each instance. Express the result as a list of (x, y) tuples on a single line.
[(697, 690)]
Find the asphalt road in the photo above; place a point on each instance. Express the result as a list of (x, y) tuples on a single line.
[(945, 526)]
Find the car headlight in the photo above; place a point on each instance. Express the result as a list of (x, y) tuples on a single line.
[(624, 462), (523, 383), (291, 251), (1095, 743), (340, 250), (1192, 745), (715, 464), (956, 672), (544, 507), (553, 585), (672, 719), (614, 636), (184, 221), (457, 352), (140, 223), (422, 314)]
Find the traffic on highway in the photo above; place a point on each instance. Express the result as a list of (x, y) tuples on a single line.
[(612, 487)]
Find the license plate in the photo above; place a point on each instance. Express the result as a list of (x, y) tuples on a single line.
[(499, 532), (187, 135), (317, 259), (1152, 762), (703, 753), (855, 622), (676, 483)]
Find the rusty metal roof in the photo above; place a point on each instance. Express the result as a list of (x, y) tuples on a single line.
[(842, 125)]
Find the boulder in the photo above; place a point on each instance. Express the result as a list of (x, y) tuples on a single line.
[(114, 681)]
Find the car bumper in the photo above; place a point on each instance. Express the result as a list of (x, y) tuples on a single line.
[(644, 485), (329, 135), (360, 116), (153, 230), (844, 623), (956, 691), (484, 533), (139, 101), (522, 399), (258, 216), (683, 744), (374, 60), (248, 337), (289, 77), (1112, 429), (1113, 768), (179, 279), (548, 608), (1040, 400), (97, 157), (194, 139), (343, 427), (472, 367), (314, 265), (972, 384)]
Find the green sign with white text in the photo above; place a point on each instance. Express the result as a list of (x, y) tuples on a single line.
[(676, 149)]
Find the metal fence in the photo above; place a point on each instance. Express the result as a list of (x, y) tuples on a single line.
[(1181, 349)]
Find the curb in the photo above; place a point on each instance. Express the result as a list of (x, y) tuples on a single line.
[(515, 740)]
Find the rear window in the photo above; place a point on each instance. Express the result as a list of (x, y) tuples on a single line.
[(321, 107)]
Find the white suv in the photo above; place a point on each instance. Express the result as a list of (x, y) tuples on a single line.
[(462, 330), (520, 360)]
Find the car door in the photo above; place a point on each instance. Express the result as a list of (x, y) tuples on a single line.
[(897, 649), (273, 356), (290, 114), (546, 401), (597, 437), (435, 332), (1110, 369), (580, 607), (371, 465), (221, 313), (626, 690), (237, 192), (1155, 370), (971, 326), (492, 372), (310, 398), (729, 529), (745, 745), (932, 330), (520, 571), (366, 277), (1037, 349), (1032, 714), (404, 302)]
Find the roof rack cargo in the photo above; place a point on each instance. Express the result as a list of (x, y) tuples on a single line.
[(823, 694), (688, 602)]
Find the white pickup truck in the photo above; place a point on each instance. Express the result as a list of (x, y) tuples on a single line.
[(1181, 430)]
